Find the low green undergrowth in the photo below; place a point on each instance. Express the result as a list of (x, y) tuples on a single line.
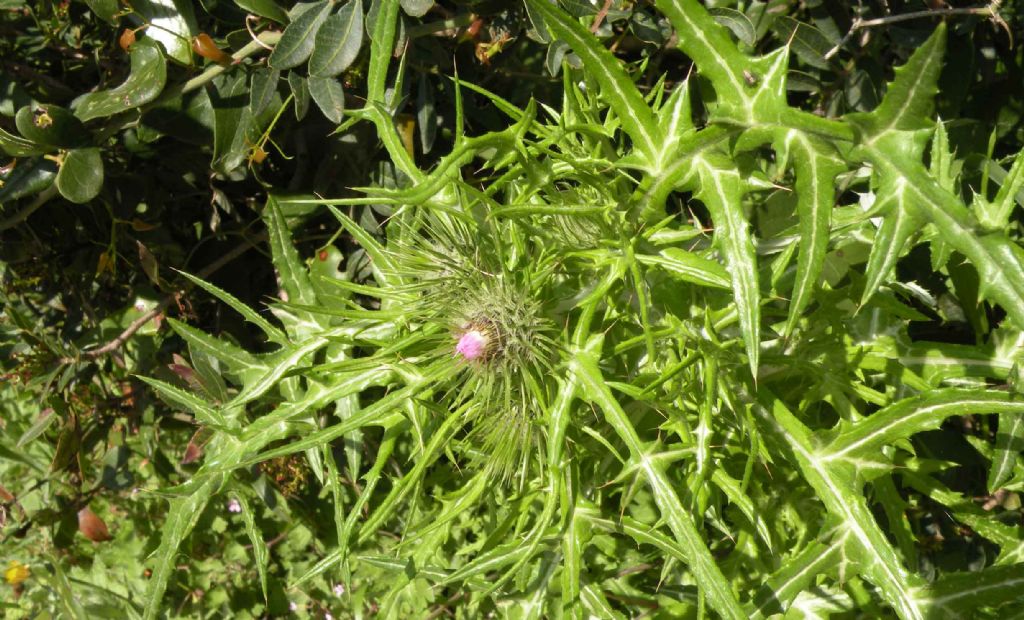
[(644, 351)]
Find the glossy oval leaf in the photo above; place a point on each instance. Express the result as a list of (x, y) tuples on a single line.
[(338, 41), (172, 23), (146, 81), (81, 175), (16, 146), (27, 178), (51, 125)]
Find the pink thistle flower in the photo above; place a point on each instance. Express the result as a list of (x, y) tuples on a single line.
[(471, 345)]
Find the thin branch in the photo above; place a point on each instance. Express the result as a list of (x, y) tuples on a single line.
[(124, 119), (138, 323), (19, 217), (991, 11), (988, 11), (600, 16), (262, 42), (248, 26)]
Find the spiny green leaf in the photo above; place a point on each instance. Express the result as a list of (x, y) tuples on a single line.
[(957, 594), (996, 215), (797, 573), (721, 190), (998, 259), (294, 279), (816, 164), (1009, 538), (709, 45), (260, 551), (705, 570), (204, 411), (273, 333), (899, 224), (181, 519), (835, 486), (909, 102), (622, 95), (237, 360), (916, 414), (440, 437), (265, 376), (689, 267), (1009, 444)]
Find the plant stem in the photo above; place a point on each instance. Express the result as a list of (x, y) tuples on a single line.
[(990, 11), (260, 43), (19, 217)]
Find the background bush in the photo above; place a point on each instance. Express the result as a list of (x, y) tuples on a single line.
[(672, 362)]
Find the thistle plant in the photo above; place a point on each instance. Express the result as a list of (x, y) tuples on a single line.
[(487, 309), (587, 382)]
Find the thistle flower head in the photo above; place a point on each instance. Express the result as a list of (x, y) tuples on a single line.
[(472, 344), (493, 322)]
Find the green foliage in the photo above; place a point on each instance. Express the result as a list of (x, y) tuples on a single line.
[(733, 329)]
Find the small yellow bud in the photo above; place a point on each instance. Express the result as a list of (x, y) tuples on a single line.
[(16, 572)]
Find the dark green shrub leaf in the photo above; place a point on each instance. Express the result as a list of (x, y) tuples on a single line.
[(737, 22), (234, 133), (262, 90), (45, 419), (104, 9), (299, 37), (300, 94), (172, 23), (51, 125), (426, 116), (416, 8), (16, 146), (28, 177), (80, 176), (338, 41), (809, 44), (329, 97), (265, 8), (147, 79)]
